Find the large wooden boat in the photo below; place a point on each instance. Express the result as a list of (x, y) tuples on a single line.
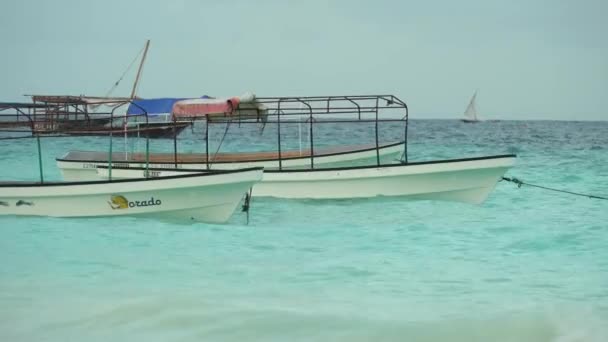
[(94, 116), (152, 130), (97, 116)]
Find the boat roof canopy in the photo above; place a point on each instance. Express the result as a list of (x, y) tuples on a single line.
[(192, 108), (203, 107), (154, 106)]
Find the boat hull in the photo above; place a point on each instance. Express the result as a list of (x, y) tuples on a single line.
[(82, 165), (152, 130), (463, 180), (211, 197)]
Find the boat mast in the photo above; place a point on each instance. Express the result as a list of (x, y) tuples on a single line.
[(134, 93), (141, 65)]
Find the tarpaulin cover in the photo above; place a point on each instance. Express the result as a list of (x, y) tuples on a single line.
[(202, 107), (154, 106)]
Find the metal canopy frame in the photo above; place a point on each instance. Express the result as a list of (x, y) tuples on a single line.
[(25, 110), (318, 110)]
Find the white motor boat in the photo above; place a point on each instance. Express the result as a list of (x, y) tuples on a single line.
[(200, 196), (464, 180)]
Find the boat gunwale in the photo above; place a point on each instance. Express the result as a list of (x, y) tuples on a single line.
[(201, 173), (358, 167)]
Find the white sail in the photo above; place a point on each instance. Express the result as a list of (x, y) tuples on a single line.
[(470, 114)]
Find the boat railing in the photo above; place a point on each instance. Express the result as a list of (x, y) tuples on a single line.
[(25, 112), (308, 112), (336, 110), (319, 110), (145, 115)]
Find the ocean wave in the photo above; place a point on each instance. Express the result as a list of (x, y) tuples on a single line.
[(193, 319)]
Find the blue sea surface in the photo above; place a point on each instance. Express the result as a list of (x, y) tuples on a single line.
[(526, 265)]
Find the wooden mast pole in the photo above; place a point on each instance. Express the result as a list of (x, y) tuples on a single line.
[(141, 65), (134, 93)]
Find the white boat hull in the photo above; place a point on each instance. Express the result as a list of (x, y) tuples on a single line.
[(82, 165), (464, 180), (201, 197)]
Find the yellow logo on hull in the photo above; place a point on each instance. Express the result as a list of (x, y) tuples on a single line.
[(121, 202), (118, 202)]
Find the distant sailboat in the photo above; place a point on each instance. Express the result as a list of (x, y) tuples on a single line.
[(470, 114)]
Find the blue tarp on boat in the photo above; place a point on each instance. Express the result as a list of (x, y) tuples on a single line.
[(154, 106)]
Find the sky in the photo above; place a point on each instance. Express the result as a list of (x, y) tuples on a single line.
[(535, 59)]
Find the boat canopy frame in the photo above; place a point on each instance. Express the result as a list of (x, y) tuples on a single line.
[(308, 110), (21, 109), (316, 110)]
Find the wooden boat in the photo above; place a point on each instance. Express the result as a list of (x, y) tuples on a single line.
[(201, 196), (81, 165), (48, 115), (95, 116), (72, 115), (152, 130), (464, 180)]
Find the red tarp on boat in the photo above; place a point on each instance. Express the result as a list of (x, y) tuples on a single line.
[(202, 107)]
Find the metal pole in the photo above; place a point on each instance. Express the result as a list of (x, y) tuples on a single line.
[(40, 159), (279, 134), (174, 145), (206, 141), (110, 158), (312, 145), (405, 140), (377, 145), (405, 159), (147, 154)]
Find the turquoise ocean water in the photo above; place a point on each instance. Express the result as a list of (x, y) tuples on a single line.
[(527, 265)]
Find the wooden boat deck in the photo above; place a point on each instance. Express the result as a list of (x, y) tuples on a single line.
[(89, 156)]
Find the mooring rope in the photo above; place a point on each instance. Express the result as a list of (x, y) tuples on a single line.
[(520, 183)]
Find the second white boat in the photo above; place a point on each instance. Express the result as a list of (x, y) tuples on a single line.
[(81, 165), (465, 180)]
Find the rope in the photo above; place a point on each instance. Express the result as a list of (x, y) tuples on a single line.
[(221, 141), (124, 73), (519, 184)]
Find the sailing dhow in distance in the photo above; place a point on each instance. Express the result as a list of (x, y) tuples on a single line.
[(470, 114)]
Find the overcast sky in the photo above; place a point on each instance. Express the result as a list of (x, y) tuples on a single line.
[(545, 59)]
